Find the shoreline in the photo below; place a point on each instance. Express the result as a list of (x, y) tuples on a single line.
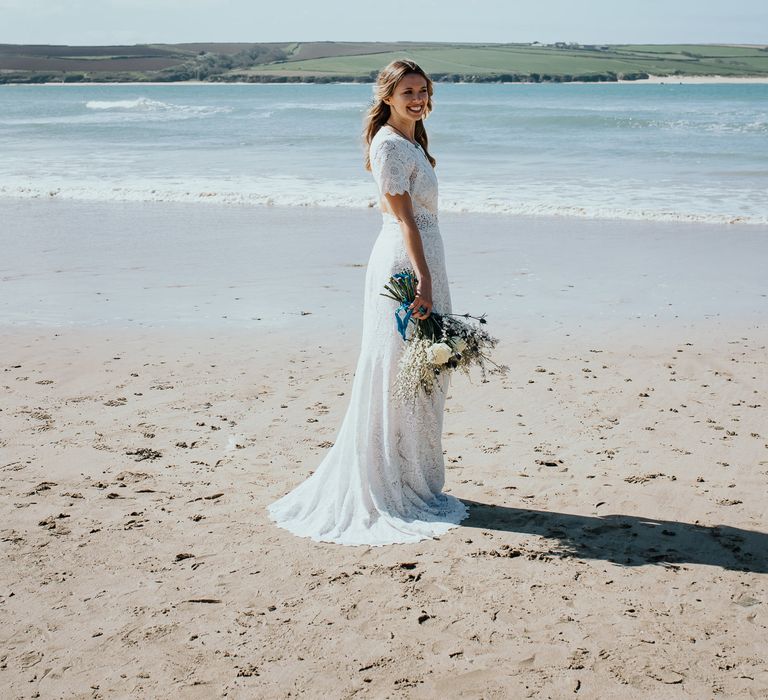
[(266, 201), (651, 80), (700, 80)]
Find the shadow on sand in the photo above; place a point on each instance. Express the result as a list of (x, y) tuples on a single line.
[(628, 540)]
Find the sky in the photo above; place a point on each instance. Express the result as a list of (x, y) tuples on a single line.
[(98, 22)]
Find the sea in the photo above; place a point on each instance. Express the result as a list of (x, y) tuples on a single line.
[(638, 151)]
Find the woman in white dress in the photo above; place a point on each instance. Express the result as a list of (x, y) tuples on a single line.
[(381, 482)]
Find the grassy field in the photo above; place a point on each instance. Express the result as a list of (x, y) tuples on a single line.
[(524, 60), (329, 61)]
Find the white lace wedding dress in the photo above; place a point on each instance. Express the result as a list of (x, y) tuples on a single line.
[(381, 482)]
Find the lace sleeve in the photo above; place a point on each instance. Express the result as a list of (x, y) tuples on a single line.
[(392, 165)]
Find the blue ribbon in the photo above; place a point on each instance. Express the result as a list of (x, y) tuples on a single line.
[(402, 321)]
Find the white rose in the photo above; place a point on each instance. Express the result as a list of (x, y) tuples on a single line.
[(459, 345), (439, 353)]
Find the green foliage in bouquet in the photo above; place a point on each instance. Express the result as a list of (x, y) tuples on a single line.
[(439, 344)]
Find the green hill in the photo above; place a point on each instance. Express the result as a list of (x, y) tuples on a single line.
[(359, 61)]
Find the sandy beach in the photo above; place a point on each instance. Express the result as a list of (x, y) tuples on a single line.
[(702, 79), (170, 370)]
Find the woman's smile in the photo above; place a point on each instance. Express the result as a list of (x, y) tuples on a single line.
[(409, 103)]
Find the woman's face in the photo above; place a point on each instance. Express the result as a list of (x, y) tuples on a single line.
[(409, 99)]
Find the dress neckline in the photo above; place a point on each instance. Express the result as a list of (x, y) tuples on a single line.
[(399, 135)]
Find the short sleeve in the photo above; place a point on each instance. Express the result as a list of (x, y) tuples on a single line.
[(392, 164)]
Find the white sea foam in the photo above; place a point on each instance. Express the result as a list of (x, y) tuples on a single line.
[(285, 192), (145, 104), (320, 106), (758, 126)]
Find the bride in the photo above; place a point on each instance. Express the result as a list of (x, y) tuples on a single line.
[(381, 482)]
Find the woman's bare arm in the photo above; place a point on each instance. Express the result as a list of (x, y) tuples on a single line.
[(402, 207)]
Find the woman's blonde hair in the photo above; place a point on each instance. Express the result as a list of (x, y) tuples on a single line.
[(378, 114)]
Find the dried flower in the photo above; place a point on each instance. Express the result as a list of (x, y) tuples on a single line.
[(439, 344)]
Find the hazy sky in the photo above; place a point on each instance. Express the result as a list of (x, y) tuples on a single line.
[(589, 21)]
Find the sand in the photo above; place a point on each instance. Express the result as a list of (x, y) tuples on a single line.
[(617, 545), (701, 79)]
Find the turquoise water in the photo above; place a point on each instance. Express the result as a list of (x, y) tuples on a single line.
[(626, 151)]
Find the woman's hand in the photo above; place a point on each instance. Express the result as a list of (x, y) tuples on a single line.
[(423, 299)]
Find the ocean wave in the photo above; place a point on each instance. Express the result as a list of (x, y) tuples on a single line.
[(344, 195), (604, 121), (321, 107), (757, 126), (145, 104), (594, 211)]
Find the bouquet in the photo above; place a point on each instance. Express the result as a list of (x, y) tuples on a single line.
[(440, 343)]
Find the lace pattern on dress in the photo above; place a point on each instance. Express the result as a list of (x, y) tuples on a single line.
[(400, 166), (392, 167)]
